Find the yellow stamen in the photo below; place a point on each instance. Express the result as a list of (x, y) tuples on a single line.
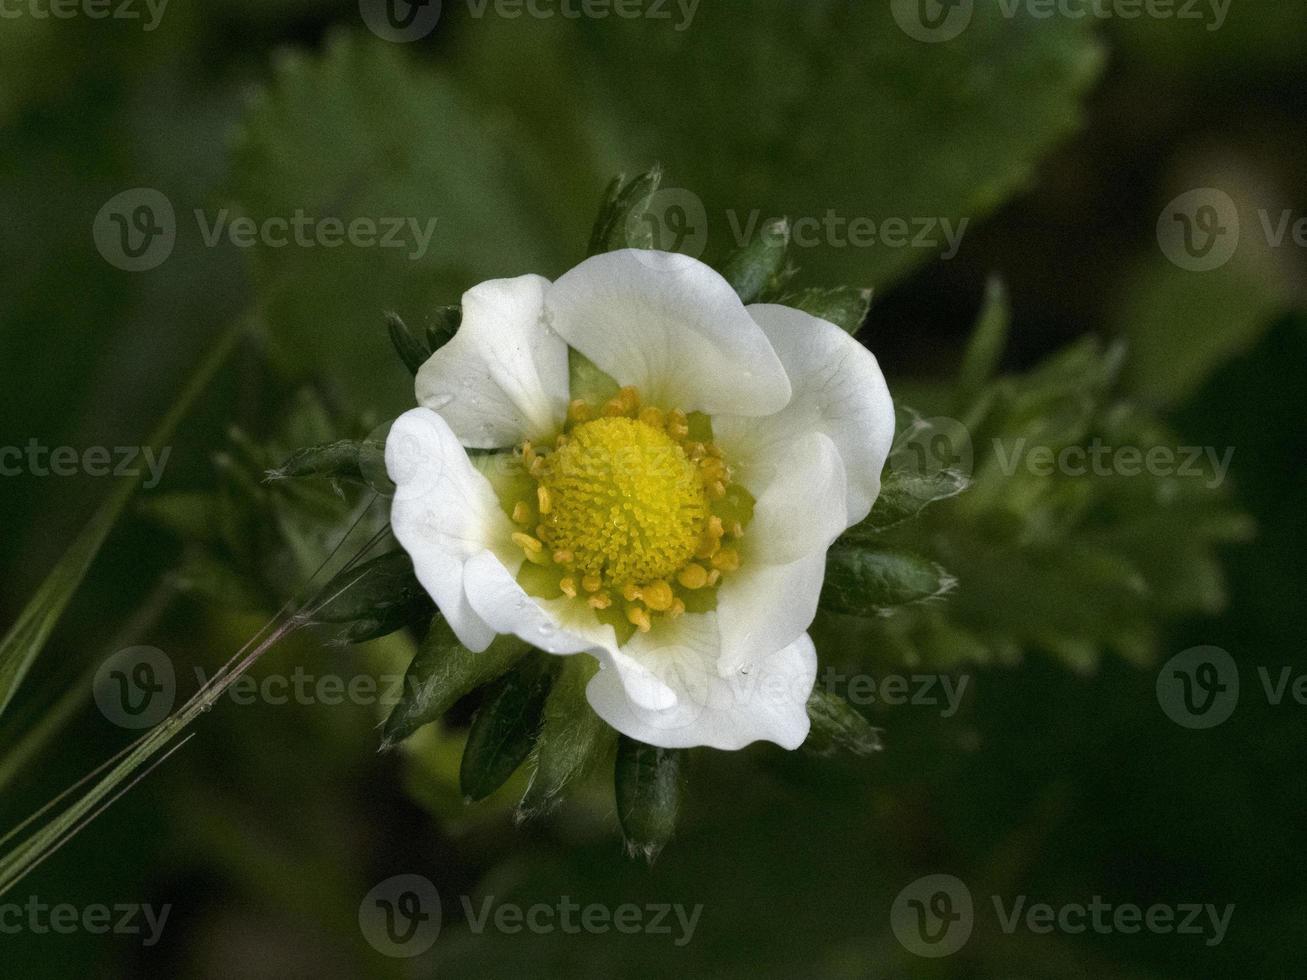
[(693, 576), (657, 595), (568, 585), (727, 560), (578, 411), (639, 616), (601, 601), (546, 501), (592, 583), (522, 512), (527, 543)]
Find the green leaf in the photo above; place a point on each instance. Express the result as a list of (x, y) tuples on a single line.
[(505, 728), (843, 306), (648, 786), (865, 582), (363, 132), (845, 111), (442, 671), (836, 725), (757, 266), (620, 221), (571, 739), (988, 341), (20, 646), (412, 351), (904, 493)]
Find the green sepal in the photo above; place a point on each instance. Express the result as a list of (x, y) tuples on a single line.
[(905, 493), (442, 671), (571, 739), (619, 224), (844, 306), (357, 461), (647, 781), (370, 592), (837, 725), (861, 581), (505, 728), (412, 351), (757, 266)]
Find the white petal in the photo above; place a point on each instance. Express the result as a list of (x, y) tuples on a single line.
[(838, 390), (772, 598), (443, 513), (671, 326), (558, 626), (769, 702), (503, 378)]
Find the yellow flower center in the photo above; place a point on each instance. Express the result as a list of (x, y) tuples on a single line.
[(625, 502), (633, 513)]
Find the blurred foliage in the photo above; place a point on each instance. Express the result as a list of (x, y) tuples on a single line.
[(1051, 782)]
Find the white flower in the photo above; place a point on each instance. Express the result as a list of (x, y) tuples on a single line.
[(676, 529)]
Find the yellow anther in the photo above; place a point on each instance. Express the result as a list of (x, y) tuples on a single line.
[(561, 441), (652, 417), (613, 408), (693, 576), (630, 592), (543, 532), (737, 529), (522, 512), (657, 595), (717, 490), (527, 543), (528, 455), (708, 547), (537, 467), (592, 583), (601, 601), (677, 426), (714, 577), (714, 450), (568, 586), (546, 501), (578, 410), (563, 557), (696, 451), (714, 528), (639, 616), (678, 608), (727, 560)]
